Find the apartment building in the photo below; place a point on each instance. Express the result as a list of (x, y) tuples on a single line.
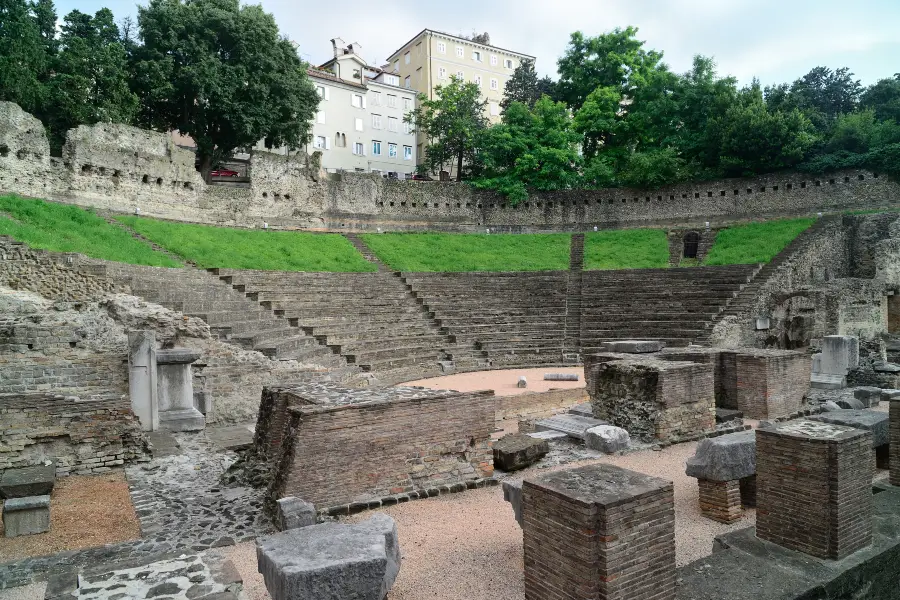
[(359, 125), (430, 58)]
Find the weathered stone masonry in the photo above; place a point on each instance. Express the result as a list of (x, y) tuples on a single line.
[(121, 168)]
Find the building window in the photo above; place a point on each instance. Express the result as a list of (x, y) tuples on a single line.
[(407, 127), (320, 117), (320, 90), (406, 58), (376, 148), (359, 125), (376, 98), (478, 80), (392, 150), (495, 109), (392, 101), (407, 152), (442, 73), (340, 140), (396, 66), (408, 83), (460, 52), (407, 104), (357, 101), (476, 55), (392, 123), (320, 142), (461, 75), (392, 80), (508, 63), (442, 47), (494, 59), (495, 85), (376, 121), (358, 149)]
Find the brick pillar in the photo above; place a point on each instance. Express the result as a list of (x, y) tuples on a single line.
[(598, 532), (814, 487), (895, 441), (721, 500)]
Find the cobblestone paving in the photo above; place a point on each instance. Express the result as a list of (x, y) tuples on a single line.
[(181, 507)]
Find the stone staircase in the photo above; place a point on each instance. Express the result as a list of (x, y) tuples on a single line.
[(675, 306), (230, 315), (367, 252), (743, 300)]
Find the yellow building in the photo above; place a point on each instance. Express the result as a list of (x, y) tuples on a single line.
[(431, 58)]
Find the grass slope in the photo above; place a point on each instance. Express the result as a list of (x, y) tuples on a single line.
[(626, 249), (754, 242), (420, 252), (221, 247), (63, 228)]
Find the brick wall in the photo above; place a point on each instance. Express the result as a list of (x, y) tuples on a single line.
[(340, 454), (894, 427), (770, 383), (82, 437), (598, 532), (538, 404), (814, 488)]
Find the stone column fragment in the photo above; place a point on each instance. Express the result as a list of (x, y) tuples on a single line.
[(142, 378)]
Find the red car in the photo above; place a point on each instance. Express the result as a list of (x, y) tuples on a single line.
[(224, 173), (418, 177)]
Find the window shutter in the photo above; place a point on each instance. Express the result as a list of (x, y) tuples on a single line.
[(363, 101), (327, 95), (328, 143)]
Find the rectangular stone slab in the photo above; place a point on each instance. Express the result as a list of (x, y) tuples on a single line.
[(870, 420), (634, 346), (28, 481), (572, 425), (26, 516), (560, 376)]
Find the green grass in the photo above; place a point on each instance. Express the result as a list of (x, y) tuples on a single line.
[(420, 252), (626, 249), (221, 247), (754, 242), (64, 228)]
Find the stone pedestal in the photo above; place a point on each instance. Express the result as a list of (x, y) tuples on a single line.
[(894, 461), (598, 532), (175, 390), (770, 383), (840, 353), (142, 378), (721, 500), (26, 516), (814, 487), (725, 468), (654, 399)]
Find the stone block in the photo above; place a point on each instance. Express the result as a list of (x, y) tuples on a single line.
[(869, 396), (331, 561), (27, 481), (184, 419), (522, 383), (823, 381), (889, 395), (831, 406), (850, 404), (517, 451), (724, 458), (582, 410), (634, 346), (512, 493), (561, 377), (814, 487), (292, 513), (883, 367), (598, 532), (607, 438), (724, 415), (870, 420), (548, 435), (770, 383), (840, 354), (26, 516), (572, 425)]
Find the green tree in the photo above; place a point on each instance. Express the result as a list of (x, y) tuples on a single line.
[(452, 123), (533, 148), (221, 73), (609, 60), (524, 86), (45, 16), (23, 56), (90, 79), (821, 94), (884, 98)]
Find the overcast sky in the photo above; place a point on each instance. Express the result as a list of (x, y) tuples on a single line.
[(774, 40)]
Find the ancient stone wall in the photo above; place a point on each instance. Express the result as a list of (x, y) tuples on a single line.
[(123, 168), (81, 437), (417, 438)]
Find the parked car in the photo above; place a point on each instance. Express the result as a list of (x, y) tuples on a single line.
[(417, 177), (223, 173)]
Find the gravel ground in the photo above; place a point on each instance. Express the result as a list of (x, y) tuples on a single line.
[(503, 382), (469, 546), (85, 511)]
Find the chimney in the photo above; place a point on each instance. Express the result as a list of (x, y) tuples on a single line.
[(337, 44), (355, 48)]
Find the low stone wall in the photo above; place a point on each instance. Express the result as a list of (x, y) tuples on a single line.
[(344, 446), (81, 437), (122, 168), (538, 404)]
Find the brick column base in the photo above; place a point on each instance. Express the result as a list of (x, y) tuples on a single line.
[(720, 500), (895, 442)]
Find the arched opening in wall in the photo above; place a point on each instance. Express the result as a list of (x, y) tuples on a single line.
[(4, 150), (691, 242)]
